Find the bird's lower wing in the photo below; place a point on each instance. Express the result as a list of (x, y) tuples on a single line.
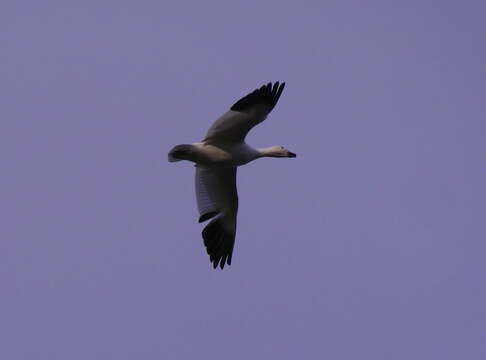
[(217, 198)]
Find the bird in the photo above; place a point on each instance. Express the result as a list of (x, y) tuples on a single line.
[(216, 159)]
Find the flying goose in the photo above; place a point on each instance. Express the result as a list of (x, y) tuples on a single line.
[(216, 158)]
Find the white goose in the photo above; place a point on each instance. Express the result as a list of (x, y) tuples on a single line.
[(217, 157)]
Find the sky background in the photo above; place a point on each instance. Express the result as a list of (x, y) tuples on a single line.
[(369, 245)]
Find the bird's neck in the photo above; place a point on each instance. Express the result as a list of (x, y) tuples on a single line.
[(267, 152)]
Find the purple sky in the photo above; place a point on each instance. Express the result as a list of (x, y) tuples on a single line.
[(370, 245)]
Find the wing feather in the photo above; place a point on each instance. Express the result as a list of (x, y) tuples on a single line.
[(249, 111), (217, 198)]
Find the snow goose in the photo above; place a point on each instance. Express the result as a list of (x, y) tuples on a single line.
[(216, 158)]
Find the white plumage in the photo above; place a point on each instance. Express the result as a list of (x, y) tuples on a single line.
[(217, 156)]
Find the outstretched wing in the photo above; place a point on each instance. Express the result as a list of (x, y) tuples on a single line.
[(217, 198), (245, 114)]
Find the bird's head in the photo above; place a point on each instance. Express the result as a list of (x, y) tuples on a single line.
[(277, 151)]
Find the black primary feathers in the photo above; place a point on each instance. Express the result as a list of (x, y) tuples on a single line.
[(207, 216), (219, 243), (267, 95)]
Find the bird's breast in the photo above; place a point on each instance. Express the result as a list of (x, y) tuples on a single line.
[(225, 155)]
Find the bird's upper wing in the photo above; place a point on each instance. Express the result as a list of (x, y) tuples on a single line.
[(245, 114), (217, 198)]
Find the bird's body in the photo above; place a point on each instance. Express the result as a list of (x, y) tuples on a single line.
[(224, 154), (217, 156)]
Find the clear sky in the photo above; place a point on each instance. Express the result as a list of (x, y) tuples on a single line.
[(369, 245)]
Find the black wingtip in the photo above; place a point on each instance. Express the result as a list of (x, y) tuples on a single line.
[(219, 243), (266, 94), (207, 216)]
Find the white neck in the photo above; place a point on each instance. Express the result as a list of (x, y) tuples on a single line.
[(271, 151)]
